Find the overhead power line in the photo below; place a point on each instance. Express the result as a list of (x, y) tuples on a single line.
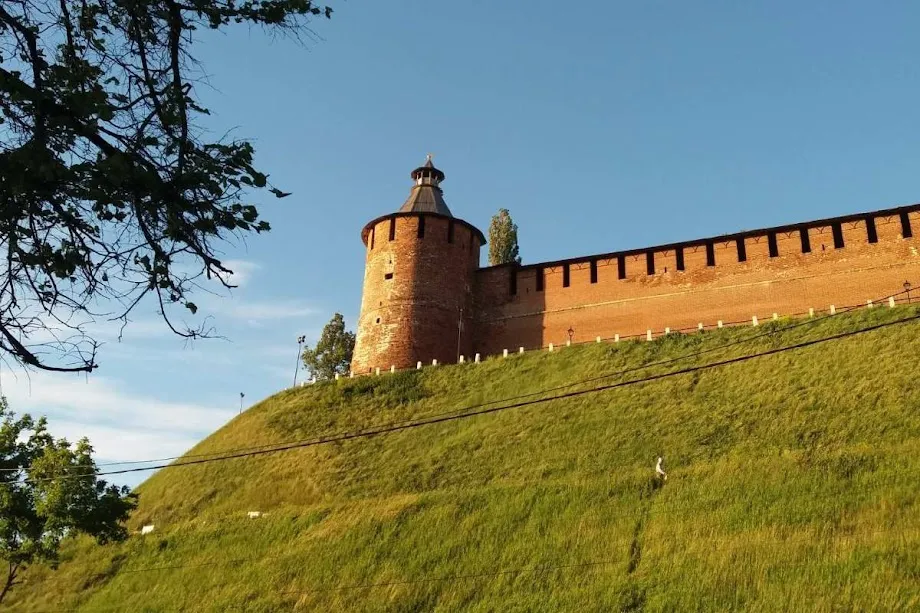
[(454, 417), (767, 333)]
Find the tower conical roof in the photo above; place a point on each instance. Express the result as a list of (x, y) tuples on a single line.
[(426, 195)]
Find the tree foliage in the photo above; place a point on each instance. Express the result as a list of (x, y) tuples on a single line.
[(48, 491), (109, 189), (503, 239), (333, 351)]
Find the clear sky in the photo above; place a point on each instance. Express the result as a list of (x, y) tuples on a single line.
[(600, 125)]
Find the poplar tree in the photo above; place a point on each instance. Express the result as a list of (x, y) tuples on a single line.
[(333, 351), (503, 239)]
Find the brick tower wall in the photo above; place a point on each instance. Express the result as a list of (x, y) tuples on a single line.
[(730, 278), (419, 273)]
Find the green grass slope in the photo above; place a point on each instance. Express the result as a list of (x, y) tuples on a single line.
[(793, 485)]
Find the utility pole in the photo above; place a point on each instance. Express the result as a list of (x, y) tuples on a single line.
[(241, 402), (300, 341)]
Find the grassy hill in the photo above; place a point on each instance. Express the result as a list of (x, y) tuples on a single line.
[(793, 485)]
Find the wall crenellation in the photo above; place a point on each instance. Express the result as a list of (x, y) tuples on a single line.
[(426, 298)]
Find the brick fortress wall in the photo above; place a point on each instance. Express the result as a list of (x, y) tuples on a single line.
[(419, 273), (787, 270)]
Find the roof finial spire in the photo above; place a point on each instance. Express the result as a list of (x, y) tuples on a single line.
[(428, 157)]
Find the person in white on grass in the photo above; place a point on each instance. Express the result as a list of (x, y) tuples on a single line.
[(660, 471)]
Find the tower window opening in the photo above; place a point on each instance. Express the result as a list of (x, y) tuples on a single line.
[(388, 276), (837, 231), (392, 228), (742, 250), (450, 231), (593, 271), (539, 279), (421, 227), (710, 254), (373, 234), (378, 320), (650, 262), (806, 240), (871, 233), (621, 267), (565, 275), (679, 256), (906, 230), (513, 276), (774, 247)]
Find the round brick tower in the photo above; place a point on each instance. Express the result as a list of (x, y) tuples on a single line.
[(418, 281)]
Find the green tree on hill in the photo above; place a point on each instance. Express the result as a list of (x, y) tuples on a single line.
[(333, 351), (49, 491), (113, 191), (503, 239)]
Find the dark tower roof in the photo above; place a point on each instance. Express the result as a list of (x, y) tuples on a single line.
[(426, 195)]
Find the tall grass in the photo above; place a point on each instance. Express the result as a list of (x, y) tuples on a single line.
[(792, 486)]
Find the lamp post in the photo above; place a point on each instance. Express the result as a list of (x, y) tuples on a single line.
[(300, 341), (459, 333), (241, 402), (571, 333), (907, 287)]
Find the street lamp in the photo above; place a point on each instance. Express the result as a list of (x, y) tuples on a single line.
[(907, 289), (300, 341), (571, 333)]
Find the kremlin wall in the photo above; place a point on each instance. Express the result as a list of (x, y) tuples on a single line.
[(426, 298)]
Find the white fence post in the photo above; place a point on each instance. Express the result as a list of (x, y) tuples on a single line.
[(833, 310), (418, 366), (550, 347), (754, 320), (504, 353), (719, 324), (891, 302), (648, 335), (616, 338)]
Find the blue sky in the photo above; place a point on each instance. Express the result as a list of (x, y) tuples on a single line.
[(600, 125)]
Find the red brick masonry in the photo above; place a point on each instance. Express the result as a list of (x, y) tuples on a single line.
[(787, 270)]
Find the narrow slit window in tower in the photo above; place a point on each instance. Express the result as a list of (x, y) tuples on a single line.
[(679, 256), (513, 275), (906, 230), (392, 228), (806, 240), (421, 226), (742, 250), (837, 231), (621, 267), (771, 242), (650, 262), (565, 275), (388, 276), (593, 271), (373, 234), (539, 279), (450, 231), (710, 254), (871, 232)]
